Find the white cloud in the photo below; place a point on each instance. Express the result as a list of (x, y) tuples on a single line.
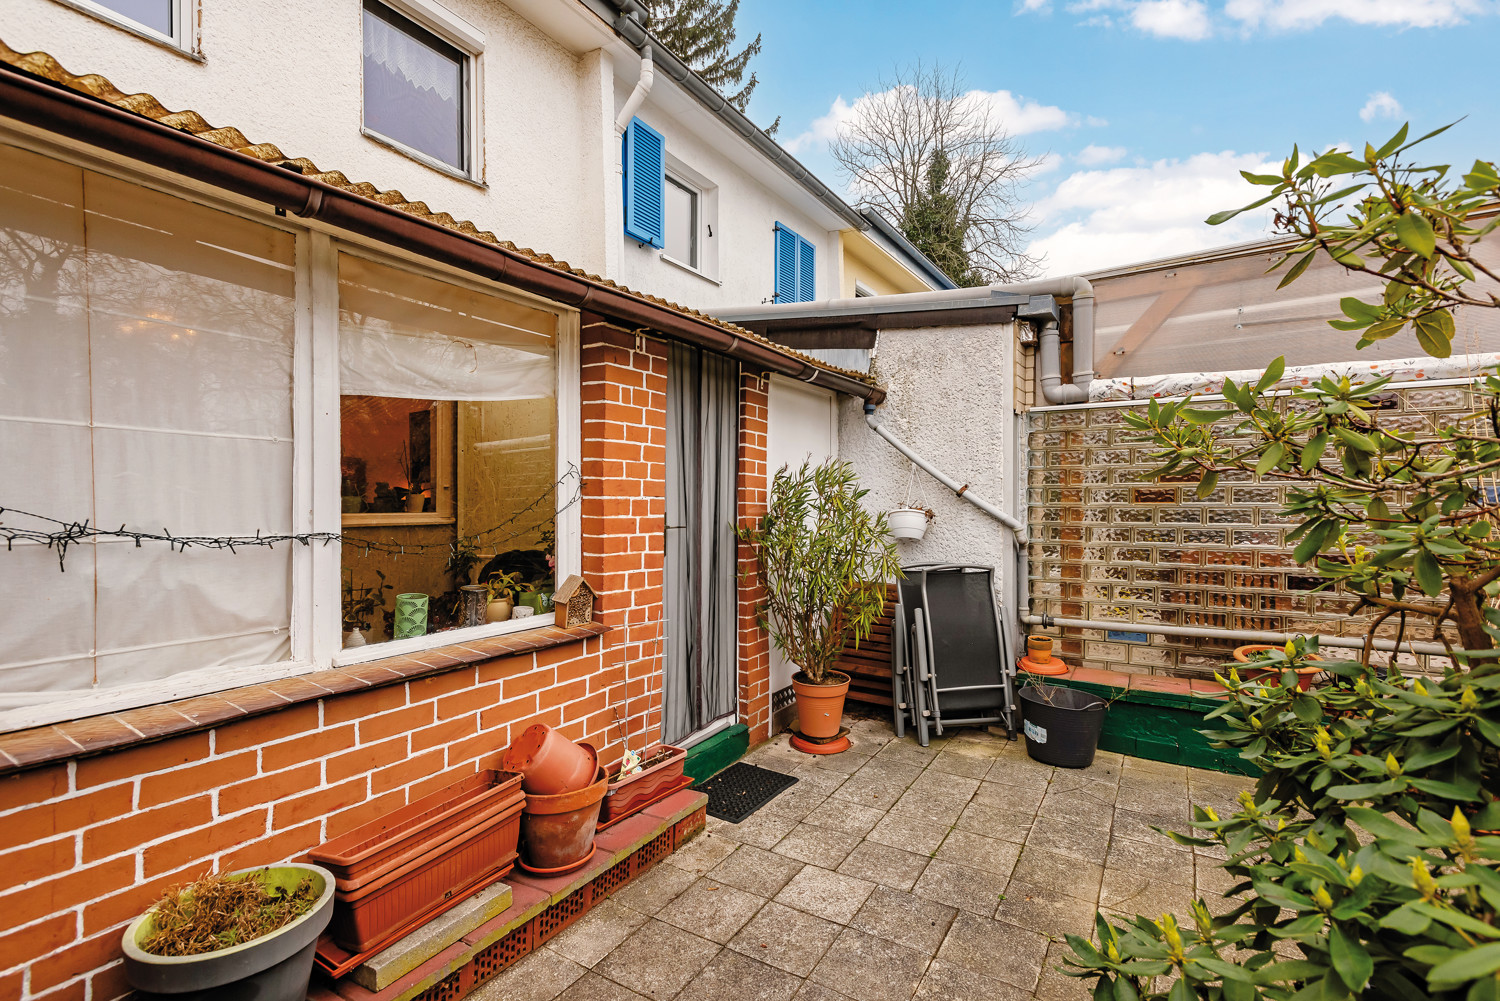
[(1295, 15), (1094, 156), (1193, 20), (1380, 105), (1184, 19), (1019, 115), (1103, 218)]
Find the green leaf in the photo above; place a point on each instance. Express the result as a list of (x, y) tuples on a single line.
[(1193, 416), (1297, 269), (1415, 232), (1218, 218), (1181, 991), (1312, 542), (1313, 450), (1350, 960), (1307, 709), (1435, 333), (1207, 484), (1272, 375), (1429, 574), (1357, 309), (1355, 440), (1269, 458)]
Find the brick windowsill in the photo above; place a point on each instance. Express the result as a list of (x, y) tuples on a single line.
[(93, 735)]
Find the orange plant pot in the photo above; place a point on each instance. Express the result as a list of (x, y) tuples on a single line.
[(1246, 655), (820, 708), (557, 831), (549, 763)]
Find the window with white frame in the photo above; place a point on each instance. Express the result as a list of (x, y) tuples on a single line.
[(165, 366), (419, 86), (691, 211), (169, 21), (682, 222)]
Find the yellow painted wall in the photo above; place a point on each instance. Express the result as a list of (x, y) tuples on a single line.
[(869, 263)]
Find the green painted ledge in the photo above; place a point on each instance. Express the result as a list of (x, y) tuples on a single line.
[(1160, 726), (708, 757)]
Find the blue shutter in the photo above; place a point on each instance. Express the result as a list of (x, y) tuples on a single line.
[(645, 162), (807, 271), (786, 264)]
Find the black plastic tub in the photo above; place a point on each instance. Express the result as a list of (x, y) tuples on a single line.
[(1062, 725)]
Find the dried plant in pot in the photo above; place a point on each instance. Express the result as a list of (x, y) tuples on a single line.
[(823, 562), (241, 935)]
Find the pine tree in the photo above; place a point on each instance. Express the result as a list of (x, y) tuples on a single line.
[(701, 33), (931, 222)]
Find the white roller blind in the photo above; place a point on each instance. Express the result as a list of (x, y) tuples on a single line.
[(414, 337), (145, 381)]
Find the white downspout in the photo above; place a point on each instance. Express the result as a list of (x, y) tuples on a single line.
[(961, 490), (638, 96)]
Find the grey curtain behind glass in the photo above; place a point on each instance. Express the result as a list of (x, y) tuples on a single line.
[(702, 456)]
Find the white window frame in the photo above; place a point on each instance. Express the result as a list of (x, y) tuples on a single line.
[(470, 41), (861, 290), (186, 39), (707, 194), (316, 576)]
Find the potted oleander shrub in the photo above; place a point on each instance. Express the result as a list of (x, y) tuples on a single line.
[(246, 934), (822, 561)]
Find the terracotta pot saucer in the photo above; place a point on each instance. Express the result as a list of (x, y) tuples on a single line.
[(821, 745)]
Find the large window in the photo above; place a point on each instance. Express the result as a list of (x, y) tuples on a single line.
[(145, 381), (449, 453), (417, 88), (168, 21), (169, 368)]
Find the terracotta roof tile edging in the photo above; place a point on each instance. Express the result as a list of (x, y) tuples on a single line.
[(94, 735)]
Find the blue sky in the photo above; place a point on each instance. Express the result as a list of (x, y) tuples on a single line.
[(1145, 109)]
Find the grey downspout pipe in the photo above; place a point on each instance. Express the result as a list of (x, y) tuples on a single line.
[(1049, 351), (962, 491)]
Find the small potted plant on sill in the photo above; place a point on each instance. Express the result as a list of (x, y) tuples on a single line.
[(360, 605), (240, 935), (823, 562), (1269, 663), (502, 588)]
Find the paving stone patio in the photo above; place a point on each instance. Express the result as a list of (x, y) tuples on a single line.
[(892, 872)]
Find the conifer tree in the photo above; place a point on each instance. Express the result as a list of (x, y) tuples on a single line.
[(701, 33), (931, 222)]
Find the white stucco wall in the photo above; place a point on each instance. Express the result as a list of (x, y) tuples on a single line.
[(744, 231), (289, 72), (951, 400)]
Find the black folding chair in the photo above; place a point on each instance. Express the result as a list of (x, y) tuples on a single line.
[(908, 662), (963, 672)]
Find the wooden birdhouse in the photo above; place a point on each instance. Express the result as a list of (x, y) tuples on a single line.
[(575, 602)]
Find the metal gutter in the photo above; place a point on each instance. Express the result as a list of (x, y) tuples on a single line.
[(58, 109), (887, 229), (627, 20)]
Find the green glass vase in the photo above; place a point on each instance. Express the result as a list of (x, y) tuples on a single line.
[(411, 616)]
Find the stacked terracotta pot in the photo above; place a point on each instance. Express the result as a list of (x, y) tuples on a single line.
[(396, 872), (564, 785)]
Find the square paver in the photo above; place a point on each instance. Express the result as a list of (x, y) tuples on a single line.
[(908, 752), (1132, 893), (878, 784), (1054, 985), (908, 833), (817, 845), (972, 890), (885, 865), (905, 919), (844, 816), (1046, 911), (956, 762), (1000, 951), (598, 933), (1060, 874), (712, 910), (1162, 858), (785, 938), (934, 807), (943, 783), (1022, 799), (703, 852), (877, 969), (760, 830), (658, 960), (541, 976), (825, 893), (760, 872), (592, 987), (978, 852), (995, 822), (947, 981), (1087, 842), (654, 889), (733, 976)]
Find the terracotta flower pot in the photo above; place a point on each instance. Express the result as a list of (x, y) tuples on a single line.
[(549, 762), (558, 831), (820, 708), (1039, 649), (1305, 675)]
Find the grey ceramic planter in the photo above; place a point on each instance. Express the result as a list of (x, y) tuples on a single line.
[(274, 967)]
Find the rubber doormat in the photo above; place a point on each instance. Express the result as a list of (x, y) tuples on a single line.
[(741, 789)]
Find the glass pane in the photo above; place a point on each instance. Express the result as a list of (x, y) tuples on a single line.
[(682, 223), (154, 14), (414, 86), (449, 452)]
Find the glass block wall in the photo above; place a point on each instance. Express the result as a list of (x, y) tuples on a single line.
[(1109, 544)]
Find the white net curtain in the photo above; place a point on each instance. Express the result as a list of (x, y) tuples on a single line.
[(145, 380)]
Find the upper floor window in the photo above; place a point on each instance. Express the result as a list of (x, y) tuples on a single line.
[(418, 88), (682, 222), (167, 21)]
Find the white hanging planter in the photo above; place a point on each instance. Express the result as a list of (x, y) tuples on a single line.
[(907, 522)]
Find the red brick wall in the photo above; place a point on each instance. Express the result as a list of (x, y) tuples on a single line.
[(87, 844), (755, 644)]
